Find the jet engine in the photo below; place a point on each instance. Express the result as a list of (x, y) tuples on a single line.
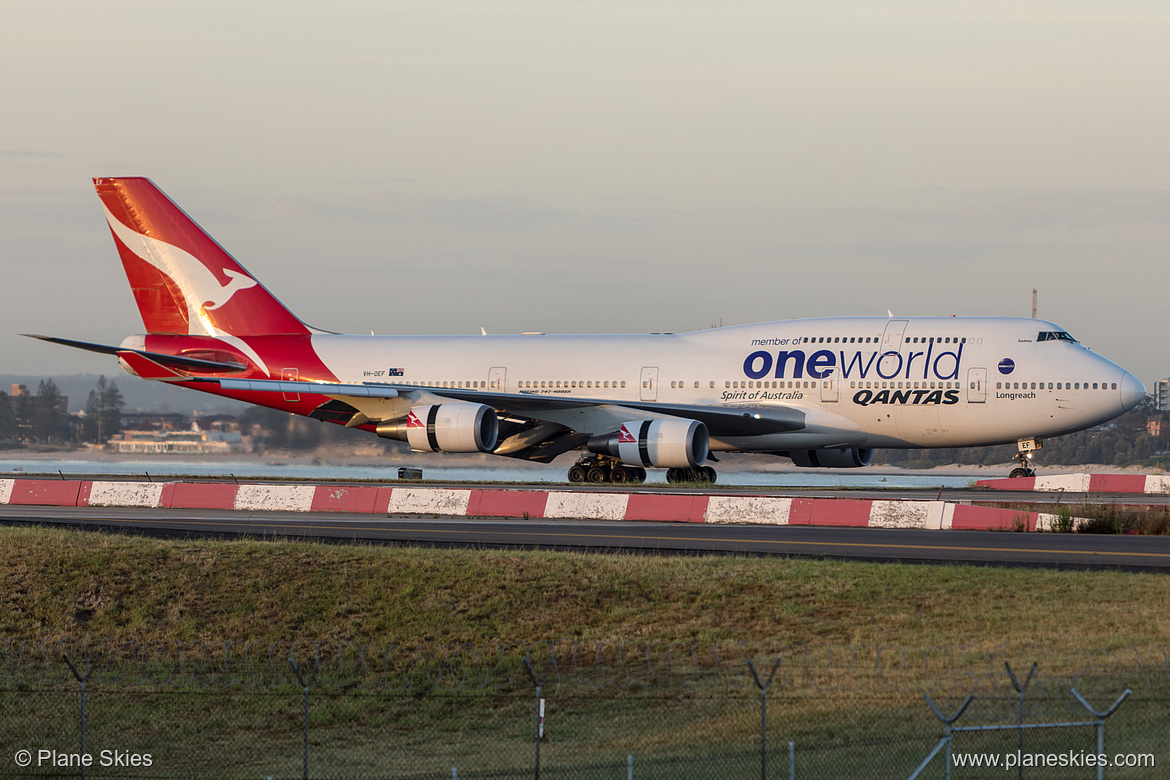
[(454, 427), (659, 443), (846, 458)]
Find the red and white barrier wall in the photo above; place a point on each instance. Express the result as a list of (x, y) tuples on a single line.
[(1084, 483), (488, 502)]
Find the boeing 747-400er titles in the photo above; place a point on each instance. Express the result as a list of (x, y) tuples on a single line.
[(821, 392)]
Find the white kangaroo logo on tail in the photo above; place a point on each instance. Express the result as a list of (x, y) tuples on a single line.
[(199, 285), (201, 290)]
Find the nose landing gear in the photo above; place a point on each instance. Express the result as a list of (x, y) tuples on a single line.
[(1024, 456)]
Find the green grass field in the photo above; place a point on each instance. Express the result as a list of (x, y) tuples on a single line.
[(1104, 626), (64, 583)]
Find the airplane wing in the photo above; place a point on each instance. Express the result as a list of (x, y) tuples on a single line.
[(533, 427), (719, 422)]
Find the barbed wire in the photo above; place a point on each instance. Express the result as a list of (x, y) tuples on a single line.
[(953, 670)]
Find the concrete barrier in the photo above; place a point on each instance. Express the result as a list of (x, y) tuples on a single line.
[(757, 510), (1083, 483), (583, 505), (666, 508), (140, 494), (44, 492), (198, 495), (507, 503)]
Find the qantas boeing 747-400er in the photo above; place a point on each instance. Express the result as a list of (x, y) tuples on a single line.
[(821, 392)]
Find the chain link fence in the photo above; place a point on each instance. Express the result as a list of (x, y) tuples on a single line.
[(611, 710)]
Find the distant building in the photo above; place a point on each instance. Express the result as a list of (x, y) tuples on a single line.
[(1154, 426), (1162, 395), (173, 443), (155, 421)]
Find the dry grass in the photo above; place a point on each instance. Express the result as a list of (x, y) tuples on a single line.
[(64, 583)]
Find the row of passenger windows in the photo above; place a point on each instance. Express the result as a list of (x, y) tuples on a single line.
[(468, 384), (677, 384), (905, 385), (546, 383), (875, 340), (775, 385), (1059, 386)]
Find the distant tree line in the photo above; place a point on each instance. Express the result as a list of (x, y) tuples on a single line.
[(44, 419), (103, 412)]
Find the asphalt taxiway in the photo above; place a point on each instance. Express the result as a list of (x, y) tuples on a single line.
[(1074, 551)]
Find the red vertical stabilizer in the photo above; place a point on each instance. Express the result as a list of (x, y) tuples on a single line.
[(183, 281)]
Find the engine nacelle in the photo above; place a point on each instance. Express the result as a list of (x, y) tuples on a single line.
[(847, 458), (454, 427), (658, 443)]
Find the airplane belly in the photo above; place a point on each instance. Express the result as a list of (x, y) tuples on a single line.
[(921, 426)]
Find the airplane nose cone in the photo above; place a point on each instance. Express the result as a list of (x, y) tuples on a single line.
[(1133, 392)]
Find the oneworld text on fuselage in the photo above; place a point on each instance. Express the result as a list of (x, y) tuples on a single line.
[(796, 363)]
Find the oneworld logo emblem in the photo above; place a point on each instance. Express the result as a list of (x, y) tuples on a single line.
[(1007, 365)]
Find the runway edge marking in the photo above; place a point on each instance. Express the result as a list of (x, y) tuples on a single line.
[(534, 504)]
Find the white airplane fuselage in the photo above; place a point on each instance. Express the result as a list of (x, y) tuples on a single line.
[(862, 382)]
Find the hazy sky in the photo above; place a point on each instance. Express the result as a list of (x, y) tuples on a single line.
[(589, 167)]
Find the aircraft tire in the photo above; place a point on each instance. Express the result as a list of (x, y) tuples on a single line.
[(596, 475), (620, 475), (577, 474), (1018, 473)]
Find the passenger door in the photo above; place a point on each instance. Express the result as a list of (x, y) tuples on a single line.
[(977, 385), (829, 387), (892, 337), (649, 382)]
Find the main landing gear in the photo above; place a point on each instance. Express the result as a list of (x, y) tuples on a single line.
[(1024, 456), (603, 468)]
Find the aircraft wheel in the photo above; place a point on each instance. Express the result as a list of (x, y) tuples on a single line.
[(620, 475), (1018, 473), (596, 475), (577, 474), (638, 475)]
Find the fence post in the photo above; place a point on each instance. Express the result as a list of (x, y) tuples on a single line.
[(305, 706), (81, 680), (763, 686), (1020, 690), (539, 711), (946, 740), (1101, 716)]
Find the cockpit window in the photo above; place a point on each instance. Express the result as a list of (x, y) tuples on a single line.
[(1055, 335)]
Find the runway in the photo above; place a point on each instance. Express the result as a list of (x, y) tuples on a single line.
[(1050, 550)]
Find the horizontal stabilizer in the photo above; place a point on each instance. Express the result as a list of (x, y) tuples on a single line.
[(172, 361)]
